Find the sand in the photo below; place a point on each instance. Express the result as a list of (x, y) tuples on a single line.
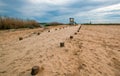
[(94, 51)]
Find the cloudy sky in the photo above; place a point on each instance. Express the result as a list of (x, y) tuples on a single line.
[(96, 11)]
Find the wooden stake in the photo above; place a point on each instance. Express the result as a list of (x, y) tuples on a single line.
[(62, 44), (49, 31), (35, 70), (75, 33), (20, 38), (71, 37)]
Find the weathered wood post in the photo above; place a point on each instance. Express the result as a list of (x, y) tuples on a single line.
[(75, 33), (55, 29), (20, 38), (62, 44), (38, 33), (35, 70), (71, 37), (48, 30)]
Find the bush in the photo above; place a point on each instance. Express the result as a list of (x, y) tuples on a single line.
[(15, 23)]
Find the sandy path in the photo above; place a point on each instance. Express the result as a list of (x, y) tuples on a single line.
[(94, 51), (28, 52)]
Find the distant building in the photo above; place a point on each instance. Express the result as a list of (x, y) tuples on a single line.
[(72, 22)]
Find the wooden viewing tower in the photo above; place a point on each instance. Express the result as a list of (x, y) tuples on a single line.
[(71, 21)]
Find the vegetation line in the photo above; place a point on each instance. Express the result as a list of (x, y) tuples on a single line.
[(15, 23)]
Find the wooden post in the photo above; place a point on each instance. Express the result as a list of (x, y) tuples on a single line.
[(71, 37), (38, 33), (49, 31), (62, 44), (75, 33), (35, 70), (20, 38)]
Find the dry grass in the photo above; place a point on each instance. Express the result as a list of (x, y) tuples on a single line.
[(15, 23)]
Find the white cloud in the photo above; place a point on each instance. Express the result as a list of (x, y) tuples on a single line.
[(99, 0), (97, 15), (102, 14), (108, 8), (52, 2), (42, 7)]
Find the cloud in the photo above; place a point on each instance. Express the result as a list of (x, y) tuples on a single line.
[(52, 2), (108, 8), (61, 10), (99, 0), (45, 8), (107, 14)]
